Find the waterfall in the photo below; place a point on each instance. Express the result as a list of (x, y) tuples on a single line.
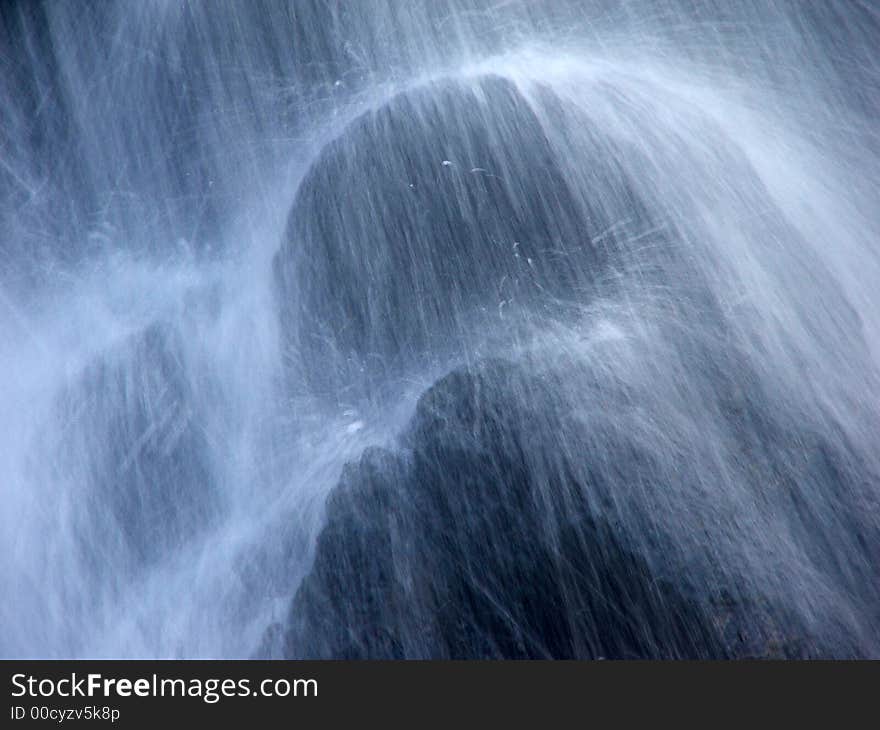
[(439, 329)]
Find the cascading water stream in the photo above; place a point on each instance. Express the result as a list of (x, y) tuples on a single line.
[(439, 329)]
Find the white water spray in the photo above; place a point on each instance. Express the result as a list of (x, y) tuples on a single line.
[(167, 444)]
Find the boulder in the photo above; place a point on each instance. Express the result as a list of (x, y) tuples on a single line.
[(437, 215), (141, 455), (467, 543)]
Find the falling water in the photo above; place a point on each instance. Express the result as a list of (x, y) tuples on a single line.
[(245, 244)]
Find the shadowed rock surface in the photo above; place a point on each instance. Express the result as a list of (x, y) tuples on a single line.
[(132, 416), (537, 511), (431, 218), (471, 543)]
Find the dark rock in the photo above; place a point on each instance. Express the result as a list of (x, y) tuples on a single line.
[(143, 457), (465, 546), (434, 216), (503, 525), (494, 529)]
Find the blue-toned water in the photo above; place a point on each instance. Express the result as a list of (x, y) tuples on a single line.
[(245, 242)]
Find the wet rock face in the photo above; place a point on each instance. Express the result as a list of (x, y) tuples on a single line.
[(440, 212), (500, 525), (465, 546), (491, 531), (141, 453)]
